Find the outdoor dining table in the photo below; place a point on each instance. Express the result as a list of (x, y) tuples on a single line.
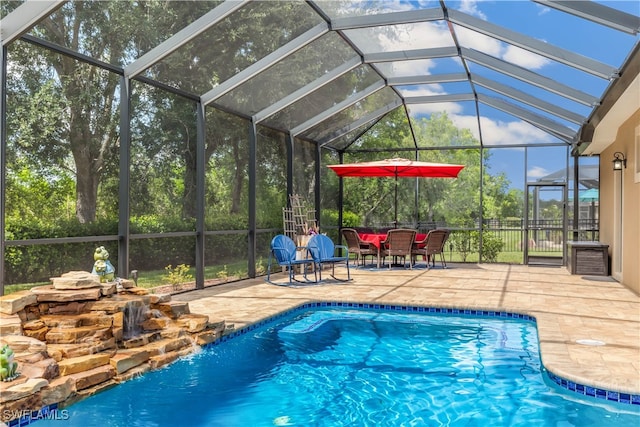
[(378, 238)]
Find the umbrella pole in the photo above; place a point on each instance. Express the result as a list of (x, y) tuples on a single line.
[(395, 211)]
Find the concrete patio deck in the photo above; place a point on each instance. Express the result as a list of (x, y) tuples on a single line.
[(568, 308)]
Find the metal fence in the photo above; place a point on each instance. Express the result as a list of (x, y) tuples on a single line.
[(546, 236)]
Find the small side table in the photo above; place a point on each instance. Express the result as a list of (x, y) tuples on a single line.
[(589, 258)]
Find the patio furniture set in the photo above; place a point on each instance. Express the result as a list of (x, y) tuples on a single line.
[(397, 243), (319, 251)]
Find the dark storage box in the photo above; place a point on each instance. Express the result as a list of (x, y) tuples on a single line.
[(589, 258)]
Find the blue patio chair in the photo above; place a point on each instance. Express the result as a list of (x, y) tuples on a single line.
[(284, 251), (324, 251)]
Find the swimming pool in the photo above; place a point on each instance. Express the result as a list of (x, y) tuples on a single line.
[(344, 366)]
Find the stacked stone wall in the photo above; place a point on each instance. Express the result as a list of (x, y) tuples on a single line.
[(71, 342)]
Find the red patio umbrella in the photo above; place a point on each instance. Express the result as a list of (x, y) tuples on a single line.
[(398, 167)]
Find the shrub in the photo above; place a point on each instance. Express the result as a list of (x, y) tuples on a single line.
[(467, 242), (349, 219), (177, 276), (463, 243), (38, 263), (492, 245)]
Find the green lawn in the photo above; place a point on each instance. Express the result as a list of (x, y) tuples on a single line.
[(154, 278)]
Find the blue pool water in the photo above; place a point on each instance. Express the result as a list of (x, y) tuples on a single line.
[(349, 367)]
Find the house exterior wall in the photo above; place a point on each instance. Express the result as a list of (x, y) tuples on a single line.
[(628, 142)]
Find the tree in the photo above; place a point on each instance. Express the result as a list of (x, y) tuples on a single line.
[(454, 201), (37, 198), (81, 98), (84, 98)]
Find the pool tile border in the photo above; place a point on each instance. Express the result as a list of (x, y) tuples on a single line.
[(49, 412), (598, 393)]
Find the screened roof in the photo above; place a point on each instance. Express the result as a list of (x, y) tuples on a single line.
[(514, 73)]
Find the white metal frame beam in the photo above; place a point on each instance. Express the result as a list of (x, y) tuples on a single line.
[(598, 13), (436, 99), (406, 55), (536, 120), (338, 108), (382, 19), (25, 16), (305, 90), (427, 79), (183, 36), (362, 121), (529, 77), (284, 51), (525, 98), (555, 53)]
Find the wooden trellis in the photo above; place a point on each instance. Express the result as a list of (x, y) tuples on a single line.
[(289, 223), (298, 219)]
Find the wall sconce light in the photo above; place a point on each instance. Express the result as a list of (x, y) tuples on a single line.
[(619, 161)]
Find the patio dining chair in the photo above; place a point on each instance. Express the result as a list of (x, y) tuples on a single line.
[(286, 254), (324, 251), (358, 246), (431, 246), (398, 244)]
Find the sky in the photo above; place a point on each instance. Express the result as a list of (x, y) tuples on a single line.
[(534, 20)]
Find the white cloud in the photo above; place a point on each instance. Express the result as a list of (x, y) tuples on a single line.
[(451, 108), (417, 67), (494, 132), (524, 58), (471, 7), (423, 90), (424, 35), (499, 132), (388, 6), (466, 122), (537, 172), (475, 40), (494, 47), (412, 36), (542, 10)]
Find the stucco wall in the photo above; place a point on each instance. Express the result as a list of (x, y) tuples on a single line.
[(626, 143)]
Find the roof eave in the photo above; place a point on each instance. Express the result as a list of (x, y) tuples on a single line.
[(619, 102)]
